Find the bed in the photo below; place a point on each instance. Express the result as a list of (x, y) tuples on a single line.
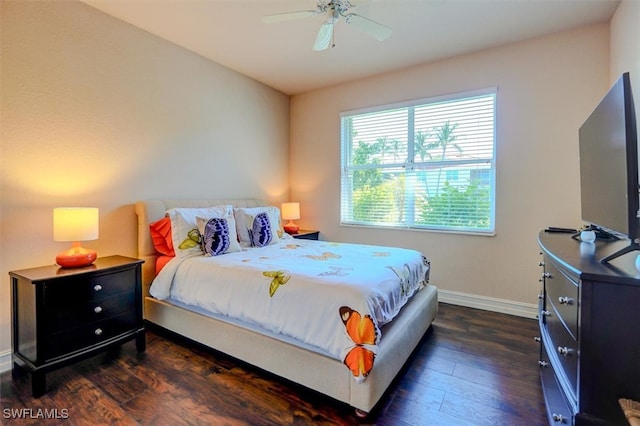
[(283, 355)]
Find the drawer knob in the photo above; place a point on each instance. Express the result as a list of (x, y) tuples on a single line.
[(98, 331), (540, 296), (558, 418), (537, 339), (545, 313), (563, 350), (97, 309), (564, 300), (547, 275), (97, 287), (541, 264), (543, 363)]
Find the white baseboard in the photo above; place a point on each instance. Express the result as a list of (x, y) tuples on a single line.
[(527, 310), (5, 361)]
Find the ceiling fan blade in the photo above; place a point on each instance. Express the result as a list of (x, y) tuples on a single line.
[(288, 16), (366, 25), (324, 36)]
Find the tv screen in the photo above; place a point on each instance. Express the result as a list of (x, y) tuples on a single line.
[(609, 163)]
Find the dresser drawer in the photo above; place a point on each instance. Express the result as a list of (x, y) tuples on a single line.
[(87, 335), (562, 294), (88, 312), (76, 291), (558, 408), (563, 344)]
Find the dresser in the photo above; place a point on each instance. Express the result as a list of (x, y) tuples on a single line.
[(61, 315), (589, 317)]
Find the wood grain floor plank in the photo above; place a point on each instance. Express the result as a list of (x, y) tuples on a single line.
[(472, 368)]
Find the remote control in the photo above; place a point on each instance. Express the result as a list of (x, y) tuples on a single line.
[(561, 230)]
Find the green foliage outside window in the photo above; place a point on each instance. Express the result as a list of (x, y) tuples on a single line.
[(465, 207)]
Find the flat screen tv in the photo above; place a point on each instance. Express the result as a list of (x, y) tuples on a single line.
[(609, 182)]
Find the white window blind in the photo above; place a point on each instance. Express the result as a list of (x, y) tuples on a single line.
[(426, 164)]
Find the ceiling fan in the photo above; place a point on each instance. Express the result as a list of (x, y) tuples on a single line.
[(333, 9)]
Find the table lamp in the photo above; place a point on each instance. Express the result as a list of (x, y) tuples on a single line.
[(75, 224), (291, 212)]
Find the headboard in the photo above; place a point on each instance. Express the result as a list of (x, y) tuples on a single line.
[(149, 211)]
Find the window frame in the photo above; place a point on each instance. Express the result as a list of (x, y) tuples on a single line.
[(409, 164)]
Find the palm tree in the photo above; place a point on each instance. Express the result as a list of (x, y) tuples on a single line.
[(421, 147), (445, 138), (386, 145)]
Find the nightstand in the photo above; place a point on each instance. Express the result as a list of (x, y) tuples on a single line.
[(61, 315), (306, 234)]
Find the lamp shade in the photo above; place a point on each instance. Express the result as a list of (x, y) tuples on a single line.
[(75, 224), (290, 211)]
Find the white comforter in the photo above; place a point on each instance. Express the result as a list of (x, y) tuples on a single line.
[(298, 287)]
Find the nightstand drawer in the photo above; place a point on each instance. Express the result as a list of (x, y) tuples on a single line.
[(79, 290), (71, 340), (87, 312)]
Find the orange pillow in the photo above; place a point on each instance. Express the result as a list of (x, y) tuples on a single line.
[(161, 236), (161, 261)]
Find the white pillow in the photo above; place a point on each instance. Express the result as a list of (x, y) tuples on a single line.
[(244, 223), (184, 226)]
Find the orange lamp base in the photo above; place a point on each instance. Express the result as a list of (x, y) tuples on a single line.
[(291, 228), (76, 257)]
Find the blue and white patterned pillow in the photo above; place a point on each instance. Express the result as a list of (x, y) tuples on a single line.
[(215, 238), (260, 233), (218, 234), (245, 219), (185, 232)]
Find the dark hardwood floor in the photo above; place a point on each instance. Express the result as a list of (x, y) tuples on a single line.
[(472, 368)]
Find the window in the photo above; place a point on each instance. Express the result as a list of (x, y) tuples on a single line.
[(428, 164)]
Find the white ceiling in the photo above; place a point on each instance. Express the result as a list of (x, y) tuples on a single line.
[(231, 33)]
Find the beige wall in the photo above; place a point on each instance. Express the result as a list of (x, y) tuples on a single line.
[(97, 112), (625, 52), (546, 88)]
